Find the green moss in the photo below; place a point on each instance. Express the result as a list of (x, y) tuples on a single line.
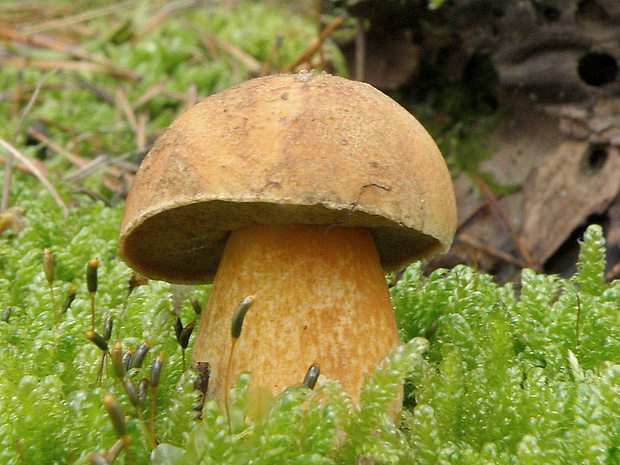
[(515, 379), (506, 376), (494, 374)]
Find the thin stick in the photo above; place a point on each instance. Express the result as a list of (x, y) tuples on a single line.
[(149, 93), (246, 59), (52, 44), (472, 216), (8, 173), (152, 430), (102, 162), (127, 110), (73, 158), (311, 50), (145, 425), (40, 176), (143, 119), (156, 367), (31, 102), (20, 451), (16, 96), (274, 50), (23, 63), (102, 94), (99, 379), (49, 270), (612, 274), (24, 169), (355, 204), (319, 28), (360, 50), (191, 97), (78, 161), (489, 250), (226, 385), (495, 207), (25, 92), (78, 18)]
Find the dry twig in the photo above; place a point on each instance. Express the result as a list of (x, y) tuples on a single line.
[(52, 44), (78, 17), (40, 176), (316, 45), (76, 160), (497, 210), (23, 63), (274, 51), (244, 58), (153, 91), (474, 243), (8, 171)]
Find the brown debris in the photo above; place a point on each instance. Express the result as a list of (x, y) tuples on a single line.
[(562, 193)]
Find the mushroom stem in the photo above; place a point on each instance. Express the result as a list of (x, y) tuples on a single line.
[(320, 298)]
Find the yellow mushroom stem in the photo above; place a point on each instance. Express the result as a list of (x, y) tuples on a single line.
[(320, 297)]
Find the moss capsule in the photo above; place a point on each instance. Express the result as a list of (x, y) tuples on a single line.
[(116, 448), (185, 335), (143, 389), (116, 415), (116, 354), (312, 375), (91, 275), (97, 339), (132, 393), (178, 328), (107, 327), (196, 305), (6, 314), (239, 316), (156, 369), (136, 280), (70, 298), (91, 283), (127, 356), (97, 458), (138, 357), (48, 266)]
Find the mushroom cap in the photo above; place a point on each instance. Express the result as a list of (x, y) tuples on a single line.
[(305, 148)]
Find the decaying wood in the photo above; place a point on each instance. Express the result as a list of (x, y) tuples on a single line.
[(548, 151), (563, 192)]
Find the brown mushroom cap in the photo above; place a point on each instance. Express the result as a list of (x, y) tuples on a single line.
[(310, 149)]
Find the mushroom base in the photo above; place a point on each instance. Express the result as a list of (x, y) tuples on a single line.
[(320, 297)]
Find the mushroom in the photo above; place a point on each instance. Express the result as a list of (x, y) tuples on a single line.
[(300, 190)]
